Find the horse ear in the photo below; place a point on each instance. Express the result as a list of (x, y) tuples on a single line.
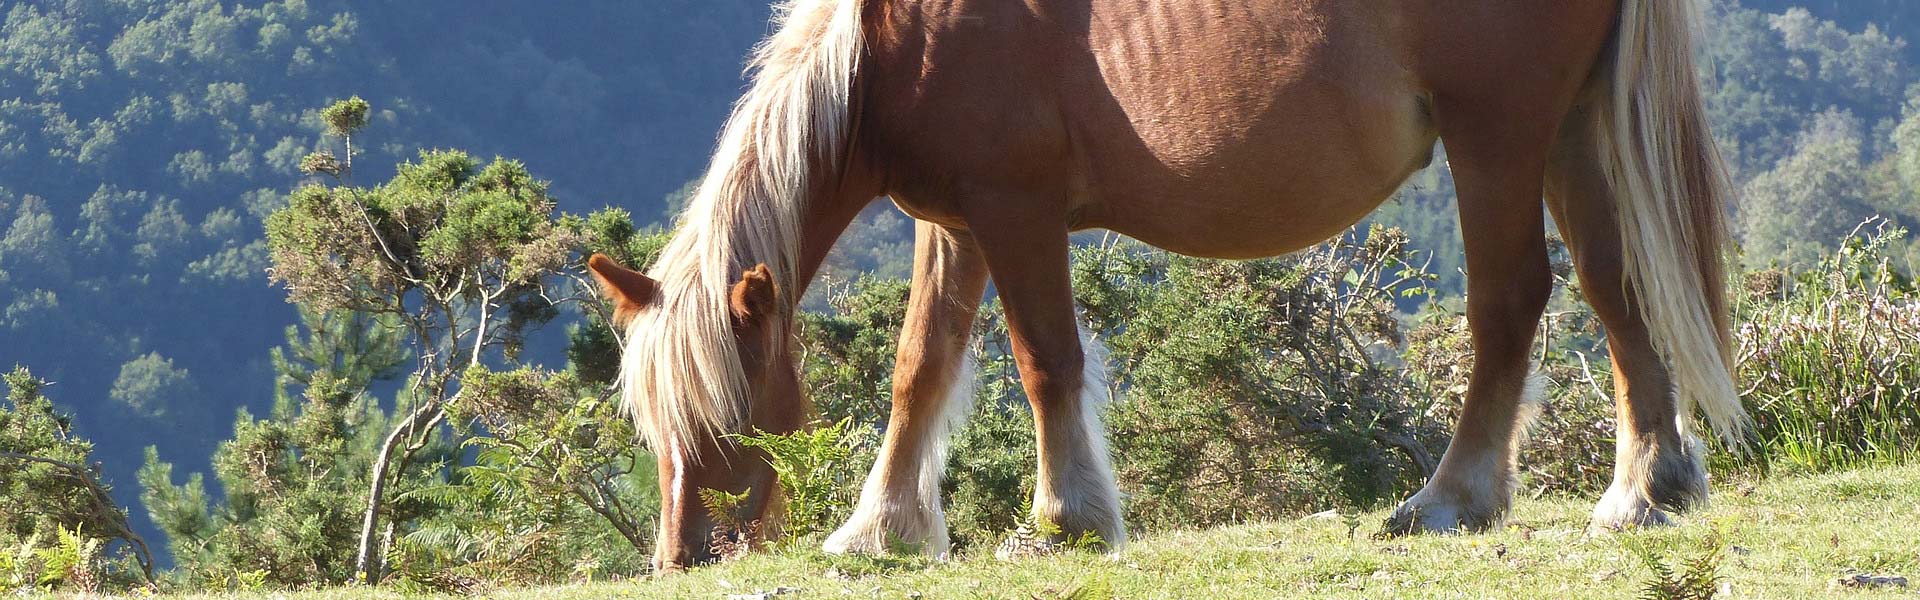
[(627, 289), (754, 297)]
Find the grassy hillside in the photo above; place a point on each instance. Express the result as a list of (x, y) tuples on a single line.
[(1783, 538)]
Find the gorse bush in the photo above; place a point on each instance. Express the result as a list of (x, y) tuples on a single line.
[(848, 349), (1244, 390), (56, 517), (1256, 389), (1249, 390)]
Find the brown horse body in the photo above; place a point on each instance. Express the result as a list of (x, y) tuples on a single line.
[(1216, 129)]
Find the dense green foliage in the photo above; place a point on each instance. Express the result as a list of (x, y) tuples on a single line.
[(557, 487), (55, 514), (1246, 384), (447, 268), (291, 484)]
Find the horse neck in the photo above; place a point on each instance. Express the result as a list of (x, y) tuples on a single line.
[(823, 226), (816, 220)]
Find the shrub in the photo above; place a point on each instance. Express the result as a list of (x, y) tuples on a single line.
[(1250, 389), (56, 517), (1828, 357), (1256, 389), (557, 486), (847, 351)]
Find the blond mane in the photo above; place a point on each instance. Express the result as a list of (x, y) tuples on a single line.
[(681, 373)]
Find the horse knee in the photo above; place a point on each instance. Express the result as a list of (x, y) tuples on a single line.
[(1503, 321), (1054, 380)]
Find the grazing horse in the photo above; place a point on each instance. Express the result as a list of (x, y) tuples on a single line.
[(1212, 129)]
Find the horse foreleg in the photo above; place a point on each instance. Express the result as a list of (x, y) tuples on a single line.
[(932, 393), (1657, 464), (1026, 246), (1508, 281)]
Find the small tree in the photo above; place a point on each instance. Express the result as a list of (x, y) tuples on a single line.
[(50, 490), (461, 254), (343, 119), (291, 480), (465, 257)]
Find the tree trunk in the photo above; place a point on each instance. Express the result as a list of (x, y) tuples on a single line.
[(369, 562)]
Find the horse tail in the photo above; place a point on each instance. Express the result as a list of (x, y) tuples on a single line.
[(1672, 192)]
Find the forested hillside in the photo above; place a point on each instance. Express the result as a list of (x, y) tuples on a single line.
[(144, 143)]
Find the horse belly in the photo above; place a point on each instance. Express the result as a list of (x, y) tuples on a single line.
[(1241, 130)]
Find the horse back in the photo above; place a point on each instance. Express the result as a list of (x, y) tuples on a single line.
[(1291, 118)]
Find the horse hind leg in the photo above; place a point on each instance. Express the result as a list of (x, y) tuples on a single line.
[(1657, 464), (932, 393), (1497, 158)]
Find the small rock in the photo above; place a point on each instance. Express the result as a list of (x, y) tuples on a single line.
[(1871, 582)]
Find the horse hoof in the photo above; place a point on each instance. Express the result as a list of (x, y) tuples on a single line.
[(866, 535), (1435, 512), (1621, 509)]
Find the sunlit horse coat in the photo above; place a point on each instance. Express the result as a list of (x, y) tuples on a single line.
[(1209, 128)]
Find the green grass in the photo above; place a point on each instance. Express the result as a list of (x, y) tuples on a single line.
[(1788, 538)]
